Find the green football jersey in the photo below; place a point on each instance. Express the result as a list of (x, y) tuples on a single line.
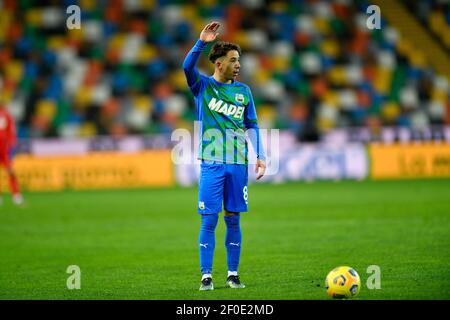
[(226, 111)]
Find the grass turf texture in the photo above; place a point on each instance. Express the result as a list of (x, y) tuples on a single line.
[(142, 244)]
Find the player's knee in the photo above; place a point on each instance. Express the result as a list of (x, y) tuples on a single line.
[(209, 222), (232, 221)]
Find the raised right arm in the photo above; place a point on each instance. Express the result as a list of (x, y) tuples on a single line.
[(208, 34), (190, 70)]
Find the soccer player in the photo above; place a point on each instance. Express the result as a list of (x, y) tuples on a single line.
[(226, 110), (7, 143)]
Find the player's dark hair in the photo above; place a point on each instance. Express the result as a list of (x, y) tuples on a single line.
[(221, 48)]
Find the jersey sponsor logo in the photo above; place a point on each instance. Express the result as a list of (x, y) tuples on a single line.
[(239, 97), (225, 108)]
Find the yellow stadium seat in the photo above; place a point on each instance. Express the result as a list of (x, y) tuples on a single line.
[(330, 48), (280, 64), (34, 17), (88, 129), (325, 124), (337, 75), (5, 20), (242, 38), (417, 58), (439, 95), (83, 97), (76, 34), (46, 108), (322, 25), (437, 21), (446, 37), (262, 75), (147, 4), (87, 4), (143, 103), (331, 98), (189, 12), (390, 111), (277, 6), (183, 124), (267, 112), (382, 81), (14, 70), (5, 96), (208, 3), (146, 53), (178, 80), (404, 46), (55, 42)]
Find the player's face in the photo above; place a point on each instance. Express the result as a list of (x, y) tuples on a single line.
[(231, 65)]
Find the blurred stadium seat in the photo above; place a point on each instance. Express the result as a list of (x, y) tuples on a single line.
[(313, 66), (434, 15)]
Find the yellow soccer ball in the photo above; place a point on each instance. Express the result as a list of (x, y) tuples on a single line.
[(343, 283)]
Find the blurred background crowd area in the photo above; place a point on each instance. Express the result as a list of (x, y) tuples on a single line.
[(434, 15), (313, 66)]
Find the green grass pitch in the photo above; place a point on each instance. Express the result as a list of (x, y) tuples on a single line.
[(142, 244)]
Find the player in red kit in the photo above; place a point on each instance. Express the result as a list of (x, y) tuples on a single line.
[(8, 141)]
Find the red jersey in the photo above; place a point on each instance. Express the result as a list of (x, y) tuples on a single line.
[(7, 130)]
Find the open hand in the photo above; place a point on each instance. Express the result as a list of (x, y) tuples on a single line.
[(209, 33)]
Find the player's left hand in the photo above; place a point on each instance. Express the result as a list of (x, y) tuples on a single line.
[(260, 169)]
